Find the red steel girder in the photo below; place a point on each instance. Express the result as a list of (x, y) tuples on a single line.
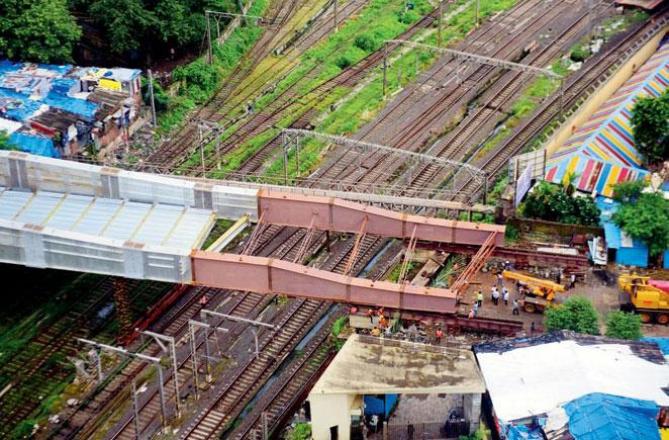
[(527, 256), (270, 276), (332, 214)]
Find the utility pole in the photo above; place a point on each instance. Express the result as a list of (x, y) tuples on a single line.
[(439, 19), (478, 8), (171, 350), (154, 360), (153, 102), (385, 68), (135, 409), (209, 54)]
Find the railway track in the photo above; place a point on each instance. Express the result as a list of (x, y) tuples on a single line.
[(210, 416), (38, 369), (293, 100), (222, 107), (583, 82), (406, 121)]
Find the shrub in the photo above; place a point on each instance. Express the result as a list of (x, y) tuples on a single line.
[(577, 314), (646, 219), (580, 53), (623, 325), (343, 62), (367, 43), (553, 203)]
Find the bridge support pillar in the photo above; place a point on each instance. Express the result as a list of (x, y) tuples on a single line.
[(122, 303)]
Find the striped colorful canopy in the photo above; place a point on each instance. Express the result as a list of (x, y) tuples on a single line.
[(601, 153)]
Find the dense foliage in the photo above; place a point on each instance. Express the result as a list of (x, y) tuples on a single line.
[(650, 121), (646, 218), (4, 140), (46, 30), (554, 203), (301, 431), (152, 26), (577, 314), (628, 191), (37, 30), (623, 325)]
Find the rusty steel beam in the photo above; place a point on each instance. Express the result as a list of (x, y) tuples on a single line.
[(270, 276), (332, 214), (522, 256)]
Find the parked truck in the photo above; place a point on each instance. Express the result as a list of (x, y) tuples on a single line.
[(645, 296), (537, 293)]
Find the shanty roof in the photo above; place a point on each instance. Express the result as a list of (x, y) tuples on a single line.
[(602, 153), (600, 416), (368, 365), (648, 5), (532, 376)]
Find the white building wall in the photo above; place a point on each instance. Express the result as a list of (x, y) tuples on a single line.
[(329, 410)]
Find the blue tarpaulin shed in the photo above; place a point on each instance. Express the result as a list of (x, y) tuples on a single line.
[(599, 416), (34, 144), (629, 252)]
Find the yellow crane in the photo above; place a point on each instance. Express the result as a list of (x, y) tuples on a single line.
[(645, 296), (538, 293)]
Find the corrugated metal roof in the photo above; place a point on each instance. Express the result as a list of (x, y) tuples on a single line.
[(154, 224), (601, 152)]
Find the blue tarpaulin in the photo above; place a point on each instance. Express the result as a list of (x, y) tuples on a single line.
[(380, 405), (635, 255), (663, 343), (599, 416), (34, 144)]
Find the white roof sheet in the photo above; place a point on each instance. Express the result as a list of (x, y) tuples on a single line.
[(537, 379), (9, 126), (153, 224)]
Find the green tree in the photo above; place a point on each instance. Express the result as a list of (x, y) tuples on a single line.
[(39, 30), (650, 122), (623, 325), (301, 431), (647, 219), (577, 314), (125, 22), (553, 203), (628, 191), (4, 140)]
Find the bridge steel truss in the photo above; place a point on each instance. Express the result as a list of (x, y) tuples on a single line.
[(42, 246)]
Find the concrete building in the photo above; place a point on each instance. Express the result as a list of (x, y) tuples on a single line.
[(401, 383), (568, 385)]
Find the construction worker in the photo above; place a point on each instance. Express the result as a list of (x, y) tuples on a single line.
[(476, 309), (572, 281), (376, 332), (505, 295), (515, 310), (370, 313), (438, 335), (495, 295), (479, 298), (471, 313), (500, 281)]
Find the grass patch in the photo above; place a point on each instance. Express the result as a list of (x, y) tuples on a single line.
[(366, 103), (199, 81)]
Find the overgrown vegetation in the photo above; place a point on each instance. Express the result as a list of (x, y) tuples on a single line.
[(577, 314), (643, 215), (198, 81), (623, 325), (650, 122), (301, 431), (557, 203), (366, 102), (37, 30)]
